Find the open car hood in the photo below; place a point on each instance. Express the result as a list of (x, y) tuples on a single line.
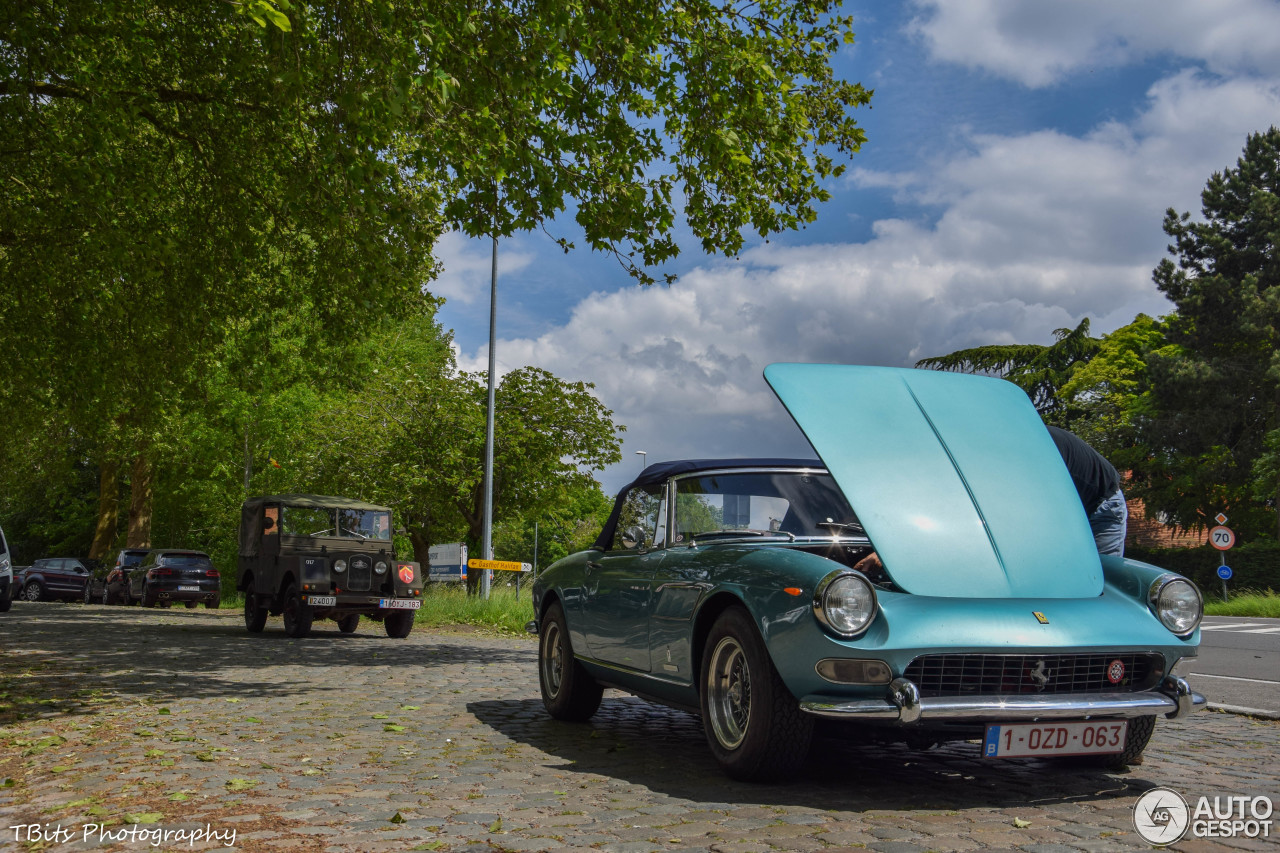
[(954, 477)]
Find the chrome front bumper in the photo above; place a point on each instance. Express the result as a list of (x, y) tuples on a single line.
[(1174, 698)]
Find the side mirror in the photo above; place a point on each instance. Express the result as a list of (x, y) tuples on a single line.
[(268, 522), (633, 537)]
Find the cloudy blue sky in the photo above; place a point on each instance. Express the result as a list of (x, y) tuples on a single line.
[(1019, 160)]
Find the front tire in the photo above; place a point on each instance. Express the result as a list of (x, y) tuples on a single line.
[(6, 598), (753, 724), (348, 624), (398, 624), (255, 613), (33, 591), (298, 615), (568, 691), (1136, 738), (88, 593)]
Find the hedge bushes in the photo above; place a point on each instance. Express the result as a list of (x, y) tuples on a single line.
[(1255, 565)]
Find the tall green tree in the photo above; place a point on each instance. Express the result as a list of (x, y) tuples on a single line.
[(1215, 422), (411, 434), (175, 174), (1039, 369)]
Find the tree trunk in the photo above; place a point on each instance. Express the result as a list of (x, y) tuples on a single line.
[(421, 551), (104, 534), (140, 502)]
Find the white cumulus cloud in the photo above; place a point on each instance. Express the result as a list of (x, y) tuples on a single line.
[(1038, 44)]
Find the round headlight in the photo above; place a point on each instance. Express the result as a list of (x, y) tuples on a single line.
[(339, 565), (845, 603), (1177, 604), (380, 567)]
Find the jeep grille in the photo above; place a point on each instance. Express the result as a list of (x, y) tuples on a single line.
[(359, 573)]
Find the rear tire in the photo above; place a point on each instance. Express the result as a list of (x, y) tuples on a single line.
[(753, 724), (348, 624), (88, 593), (298, 615), (398, 624), (568, 691), (213, 605), (191, 605), (255, 613)]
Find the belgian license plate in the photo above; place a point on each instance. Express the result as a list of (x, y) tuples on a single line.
[(1029, 740), (399, 604), (322, 600), (188, 589)]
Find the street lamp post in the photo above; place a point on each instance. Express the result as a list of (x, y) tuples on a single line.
[(642, 456)]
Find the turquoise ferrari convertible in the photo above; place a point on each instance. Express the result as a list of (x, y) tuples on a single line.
[(932, 575)]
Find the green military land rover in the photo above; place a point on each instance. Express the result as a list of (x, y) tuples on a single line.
[(310, 557)]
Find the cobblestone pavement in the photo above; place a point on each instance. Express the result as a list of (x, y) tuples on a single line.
[(180, 719)]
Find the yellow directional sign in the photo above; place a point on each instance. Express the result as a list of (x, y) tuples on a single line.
[(499, 565)]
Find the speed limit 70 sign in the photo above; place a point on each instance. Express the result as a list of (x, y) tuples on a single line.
[(1222, 538)]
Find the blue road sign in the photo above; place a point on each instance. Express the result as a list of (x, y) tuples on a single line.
[(1224, 572)]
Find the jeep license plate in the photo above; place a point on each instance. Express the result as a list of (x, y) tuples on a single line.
[(188, 589), (399, 604), (322, 600), (1029, 740)]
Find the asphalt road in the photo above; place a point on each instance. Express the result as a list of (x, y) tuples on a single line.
[(1239, 664)]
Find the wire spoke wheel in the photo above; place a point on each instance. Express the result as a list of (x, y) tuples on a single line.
[(552, 660), (729, 693)]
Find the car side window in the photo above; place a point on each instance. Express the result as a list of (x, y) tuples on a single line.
[(638, 519)]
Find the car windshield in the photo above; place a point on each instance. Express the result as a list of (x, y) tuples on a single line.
[(348, 523), (787, 503), (364, 523)]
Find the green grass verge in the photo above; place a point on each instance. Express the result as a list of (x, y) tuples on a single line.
[(1246, 603), (449, 604)]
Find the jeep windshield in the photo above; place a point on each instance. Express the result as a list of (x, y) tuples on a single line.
[(344, 523)]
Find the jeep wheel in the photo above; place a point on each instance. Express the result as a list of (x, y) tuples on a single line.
[(33, 591), (298, 615), (255, 612), (398, 624), (106, 595), (348, 624)]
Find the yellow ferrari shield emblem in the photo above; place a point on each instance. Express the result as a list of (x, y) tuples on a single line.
[(1040, 617)]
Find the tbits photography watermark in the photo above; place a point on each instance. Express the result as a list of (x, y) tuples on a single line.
[(1162, 816), (98, 833)]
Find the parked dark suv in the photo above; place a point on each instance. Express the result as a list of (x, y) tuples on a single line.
[(311, 557), (115, 588), (165, 576), (53, 577)]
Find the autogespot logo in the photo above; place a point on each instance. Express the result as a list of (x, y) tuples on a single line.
[(1161, 816)]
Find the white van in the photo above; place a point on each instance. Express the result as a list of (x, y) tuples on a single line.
[(6, 574)]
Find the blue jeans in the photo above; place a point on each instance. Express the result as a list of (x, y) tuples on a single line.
[(1109, 523)]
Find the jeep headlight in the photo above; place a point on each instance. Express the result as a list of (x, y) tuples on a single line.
[(380, 567), (339, 565), (845, 602), (1176, 603)]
